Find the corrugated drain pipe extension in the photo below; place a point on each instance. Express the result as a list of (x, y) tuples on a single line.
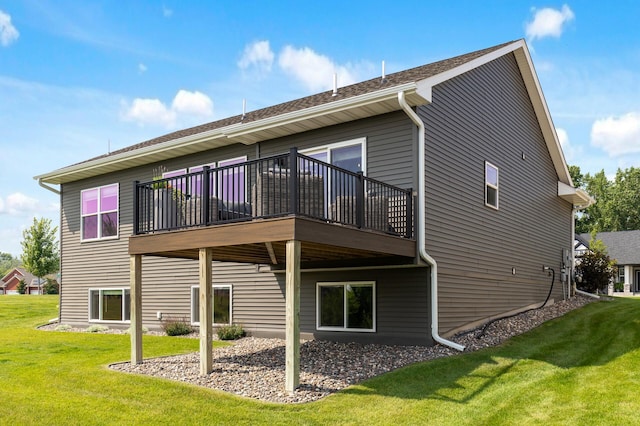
[(420, 225)]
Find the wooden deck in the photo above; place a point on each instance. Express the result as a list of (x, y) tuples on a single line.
[(289, 242), (264, 242)]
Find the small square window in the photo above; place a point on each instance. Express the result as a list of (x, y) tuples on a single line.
[(222, 305), (491, 185), (109, 305), (347, 306)]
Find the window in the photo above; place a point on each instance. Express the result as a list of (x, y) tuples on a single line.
[(231, 183), (109, 304), (347, 155), (99, 212), (230, 180), (348, 306), (176, 183), (621, 274), (196, 181), (491, 185), (221, 304)]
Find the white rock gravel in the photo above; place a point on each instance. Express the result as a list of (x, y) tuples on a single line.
[(254, 367)]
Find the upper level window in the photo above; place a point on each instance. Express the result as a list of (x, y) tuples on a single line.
[(227, 183), (348, 155), (491, 188), (99, 212)]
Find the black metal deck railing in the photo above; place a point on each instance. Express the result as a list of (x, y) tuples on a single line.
[(263, 188)]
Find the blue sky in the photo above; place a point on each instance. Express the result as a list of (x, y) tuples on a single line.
[(80, 77)]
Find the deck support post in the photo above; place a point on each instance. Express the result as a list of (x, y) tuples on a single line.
[(135, 282), (292, 365), (206, 311)]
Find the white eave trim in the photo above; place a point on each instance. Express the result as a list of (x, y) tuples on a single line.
[(527, 70), (226, 135), (576, 196), (240, 129)]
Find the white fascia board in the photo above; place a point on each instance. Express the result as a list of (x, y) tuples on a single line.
[(542, 111), (576, 196), (130, 155), (232, 131), (525, 64), (425, 86), (317, 111)]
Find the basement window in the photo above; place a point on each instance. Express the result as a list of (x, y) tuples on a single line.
[(346, 306)]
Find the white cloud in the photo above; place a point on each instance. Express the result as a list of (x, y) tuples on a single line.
[(258, 55), (166, 12), (8, 33), (617, 135), (186, 108), (313, 69), (548, 22), (142, 68), (194, 103), (150, 111), (19, 204)]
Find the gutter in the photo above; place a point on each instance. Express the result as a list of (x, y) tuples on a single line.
[(420, 224), (47, 187)]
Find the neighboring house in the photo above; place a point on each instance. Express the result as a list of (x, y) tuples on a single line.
[(624, 248), (403, 222), (11, 280), (581, 244)]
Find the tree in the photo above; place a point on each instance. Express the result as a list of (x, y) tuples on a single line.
[(7, 263), (617, 206), (594, 268), (40, 249), (21, 287), (51, 287)]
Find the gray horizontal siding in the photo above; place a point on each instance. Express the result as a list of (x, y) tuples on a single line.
[(483, 115), (258, 297)]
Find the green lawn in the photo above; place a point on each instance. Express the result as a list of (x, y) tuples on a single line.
[(581, 369)]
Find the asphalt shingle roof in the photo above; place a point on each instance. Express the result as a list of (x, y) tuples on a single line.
[(623, 246), (368, 86)]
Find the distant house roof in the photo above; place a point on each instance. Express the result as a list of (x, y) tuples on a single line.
[(23, 275), (365, 99), (623, 246)]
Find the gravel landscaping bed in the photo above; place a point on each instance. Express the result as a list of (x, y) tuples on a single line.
[(254, 367)]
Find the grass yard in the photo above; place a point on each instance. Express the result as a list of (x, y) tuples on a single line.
[(581, 369)]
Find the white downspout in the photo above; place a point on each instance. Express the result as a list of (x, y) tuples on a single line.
[(572, 284), (420, 225), (47, 187)]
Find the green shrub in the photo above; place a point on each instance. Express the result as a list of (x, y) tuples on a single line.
[(618, 287), (176, 327), (231, 332), (63, 327), (51, 287), (145, 330), (96, 328)]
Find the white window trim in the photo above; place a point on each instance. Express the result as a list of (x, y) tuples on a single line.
[(100, 290), (344, 284), (496, 187), (99, 213), (327, 148), (215, 286)]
